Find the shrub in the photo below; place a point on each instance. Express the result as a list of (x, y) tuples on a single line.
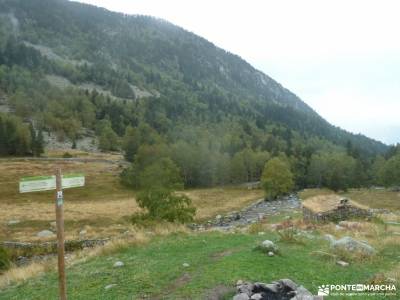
[(67, 155), (158, 182), (4, 259), (255, 228), (165, 205)]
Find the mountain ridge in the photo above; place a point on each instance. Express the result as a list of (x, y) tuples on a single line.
[(125, 54)]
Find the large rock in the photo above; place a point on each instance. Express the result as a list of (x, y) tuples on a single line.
[(119, 264), (330, 238), (349, 244), (245, 288), (268, 245), (284, 289), (241, 296)]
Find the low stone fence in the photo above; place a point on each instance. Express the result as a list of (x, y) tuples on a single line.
[(51, 247), (339, 214)]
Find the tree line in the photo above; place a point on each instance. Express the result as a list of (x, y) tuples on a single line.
[(18, 138)]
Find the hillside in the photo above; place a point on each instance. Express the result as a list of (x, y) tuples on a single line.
[(76, 71), (138, 56)]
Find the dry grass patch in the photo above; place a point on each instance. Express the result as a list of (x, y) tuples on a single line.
[(308, 193), (102, 180), (394, 273), (102, 218), (375, 198), (392, 240), (21, 274), (327, 202), (367, 197), (84, 154), (101, 201), (213, 201), (103, 204)]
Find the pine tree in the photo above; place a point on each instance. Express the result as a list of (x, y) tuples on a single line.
[(3, 138), (33, 139), (39, 145)]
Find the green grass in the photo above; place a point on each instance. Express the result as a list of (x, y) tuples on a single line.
[(155, 270)]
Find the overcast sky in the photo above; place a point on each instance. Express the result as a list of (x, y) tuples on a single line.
[(340, 57)]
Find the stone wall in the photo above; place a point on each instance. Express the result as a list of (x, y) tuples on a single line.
[(341, 213), (51, 247)]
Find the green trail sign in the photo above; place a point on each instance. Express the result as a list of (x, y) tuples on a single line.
[(72, 180), (56, 182), (37, 183), (47, 183)]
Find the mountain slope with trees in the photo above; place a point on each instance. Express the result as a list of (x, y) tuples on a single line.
[(157, 91)]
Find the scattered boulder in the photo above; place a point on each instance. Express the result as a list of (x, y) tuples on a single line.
[(83, 232), (241, 296), (342, 263), (235, 216), (351, 245), (350, 225), (330, 238), (268, 245), (119, 264), (270, 253), (338, 227), (185, 265), (45, 234), (245, 288), (13, 222), (305, 234), (239, 282), (284, 289), (107, 287)]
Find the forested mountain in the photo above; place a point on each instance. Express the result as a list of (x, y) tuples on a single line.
[(137, 81)]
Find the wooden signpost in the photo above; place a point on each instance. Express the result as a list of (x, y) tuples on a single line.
[(56, 182)]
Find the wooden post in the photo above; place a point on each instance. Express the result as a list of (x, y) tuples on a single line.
[(62, 282)]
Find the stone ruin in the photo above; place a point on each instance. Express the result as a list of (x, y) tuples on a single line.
[(332, 208), (284, 289)]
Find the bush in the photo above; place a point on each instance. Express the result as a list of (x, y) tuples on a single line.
[(67, 155), (255, 228), (165, 205), (290, 235), (4, 259), (158, 182)]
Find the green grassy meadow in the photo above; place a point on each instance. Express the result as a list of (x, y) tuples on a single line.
[(217, 261)]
